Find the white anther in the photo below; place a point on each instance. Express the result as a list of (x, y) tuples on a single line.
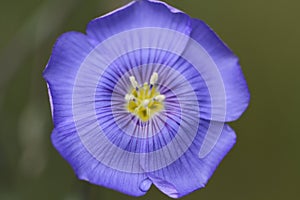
[(160, 98), (146, 102), (133, 82), (154, 78), (129, 97)]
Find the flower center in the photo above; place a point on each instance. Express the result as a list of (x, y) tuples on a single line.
[(144, 101)]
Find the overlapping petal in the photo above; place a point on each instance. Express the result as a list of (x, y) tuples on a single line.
[(138, 14), (69, 145), (68, 53), (237, 94), (189, 172), (180, 147)]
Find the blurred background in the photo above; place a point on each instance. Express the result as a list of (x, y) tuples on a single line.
[(264, 164)]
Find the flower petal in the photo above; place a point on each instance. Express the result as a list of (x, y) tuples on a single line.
[(138, 14), (68, 53), (191, 172), (87, 168), (237, 94)]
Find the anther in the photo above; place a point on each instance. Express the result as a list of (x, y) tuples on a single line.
[(154, 78), (159, 98), (129, 97), (133, 82)]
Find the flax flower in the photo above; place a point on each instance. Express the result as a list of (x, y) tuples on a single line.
[(143, 98)]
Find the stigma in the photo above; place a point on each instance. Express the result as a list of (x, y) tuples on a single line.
[(144, 101)]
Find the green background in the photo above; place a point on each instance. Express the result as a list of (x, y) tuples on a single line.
[(265, 162)]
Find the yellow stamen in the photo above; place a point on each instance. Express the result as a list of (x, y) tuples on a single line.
[(144, 101)]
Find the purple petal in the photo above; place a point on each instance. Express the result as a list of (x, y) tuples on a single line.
[(138, 14), (190, 173), (68, 53), (237, 94), (87, 168)]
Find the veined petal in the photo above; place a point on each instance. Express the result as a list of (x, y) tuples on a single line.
[(67, 55), (138, 14), (237, 94), (190, 172), (87, 168)]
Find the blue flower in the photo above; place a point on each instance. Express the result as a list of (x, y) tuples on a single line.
[(143, 98)]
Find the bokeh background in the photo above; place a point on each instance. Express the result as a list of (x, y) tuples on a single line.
[(265, 162)]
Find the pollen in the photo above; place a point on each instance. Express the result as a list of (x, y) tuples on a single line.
[(144, 101)]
